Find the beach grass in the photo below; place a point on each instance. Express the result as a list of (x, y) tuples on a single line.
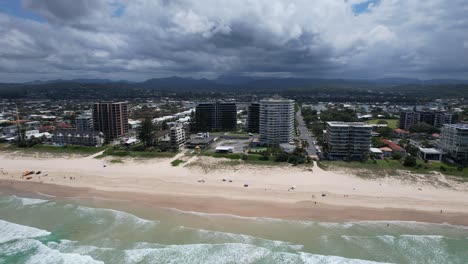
[(251, 159), (177, 162), (136, 154), (116, 161), (391, 123), (392, 166), (234, 156)]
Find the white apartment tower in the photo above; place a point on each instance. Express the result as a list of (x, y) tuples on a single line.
[(276, 121), (454, 141), (348, 140), (177, 136)]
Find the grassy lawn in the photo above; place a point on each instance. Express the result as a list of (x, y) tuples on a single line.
[(56, 149), (238, 133), (257, 150), (392, 123), (390, 166), (177, 162)]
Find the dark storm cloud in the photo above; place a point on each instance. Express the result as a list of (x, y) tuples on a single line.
[(68, 12), (138, 39)]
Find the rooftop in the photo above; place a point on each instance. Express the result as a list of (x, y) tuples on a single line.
[(458, 126), (387, 149), (276, 99), (376, 150), (346, 124), (394, 146), (430, 151), (197, 141)]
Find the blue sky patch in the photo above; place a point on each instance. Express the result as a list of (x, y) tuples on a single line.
[(119, 10), (364, 7), (15, 8)]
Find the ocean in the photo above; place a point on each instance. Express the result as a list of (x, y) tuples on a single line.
[(53, 230)]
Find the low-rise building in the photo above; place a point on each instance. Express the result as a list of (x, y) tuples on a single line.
[(64, 137), (224, 149), (348, 140), (386, 151), (199, 143), (454, 141), (30, 134), (430, 154), (396, 149), (376, 153), (401, 133)]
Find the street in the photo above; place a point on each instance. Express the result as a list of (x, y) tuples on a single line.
[(305, 135)]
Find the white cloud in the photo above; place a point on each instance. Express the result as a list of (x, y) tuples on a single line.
[(209, 37)]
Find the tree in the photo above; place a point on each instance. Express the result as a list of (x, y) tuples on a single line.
[(164, 125), (385, 131), (411, 149), (382, 122), (346, 115), (396, 156), (376, 142), (146, 132), (423, 128), (410, 161)]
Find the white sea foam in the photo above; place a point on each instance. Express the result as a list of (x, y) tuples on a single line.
[(68, 246), (312, 258), (387, 239), (227, 253), (30, 201), (118, 216), (11, 231), (46, 195), (225, 237), (24, 201)]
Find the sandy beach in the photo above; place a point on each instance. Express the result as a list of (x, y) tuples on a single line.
[(198, 186)]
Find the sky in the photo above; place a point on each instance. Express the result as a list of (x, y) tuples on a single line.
[(141, 39)]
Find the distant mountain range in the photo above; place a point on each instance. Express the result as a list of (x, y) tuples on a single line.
[(327, 88), (184, 82)]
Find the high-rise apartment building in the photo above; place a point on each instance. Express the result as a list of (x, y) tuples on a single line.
[(276, 121), (219, 116), (437, 119), (407, 119), (177, 136), (111, 118), (443, 118), (348, 140), (84, 122), (253, 118), (454, 141)]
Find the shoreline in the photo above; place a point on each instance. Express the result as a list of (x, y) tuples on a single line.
[(306, 211), (207, 185)]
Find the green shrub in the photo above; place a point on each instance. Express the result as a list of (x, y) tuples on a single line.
[(409, 161), (396, 156), (177, 162)]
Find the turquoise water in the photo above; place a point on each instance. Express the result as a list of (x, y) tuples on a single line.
[(66, 231)]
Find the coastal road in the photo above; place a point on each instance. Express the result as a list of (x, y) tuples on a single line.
[(305, 135)]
